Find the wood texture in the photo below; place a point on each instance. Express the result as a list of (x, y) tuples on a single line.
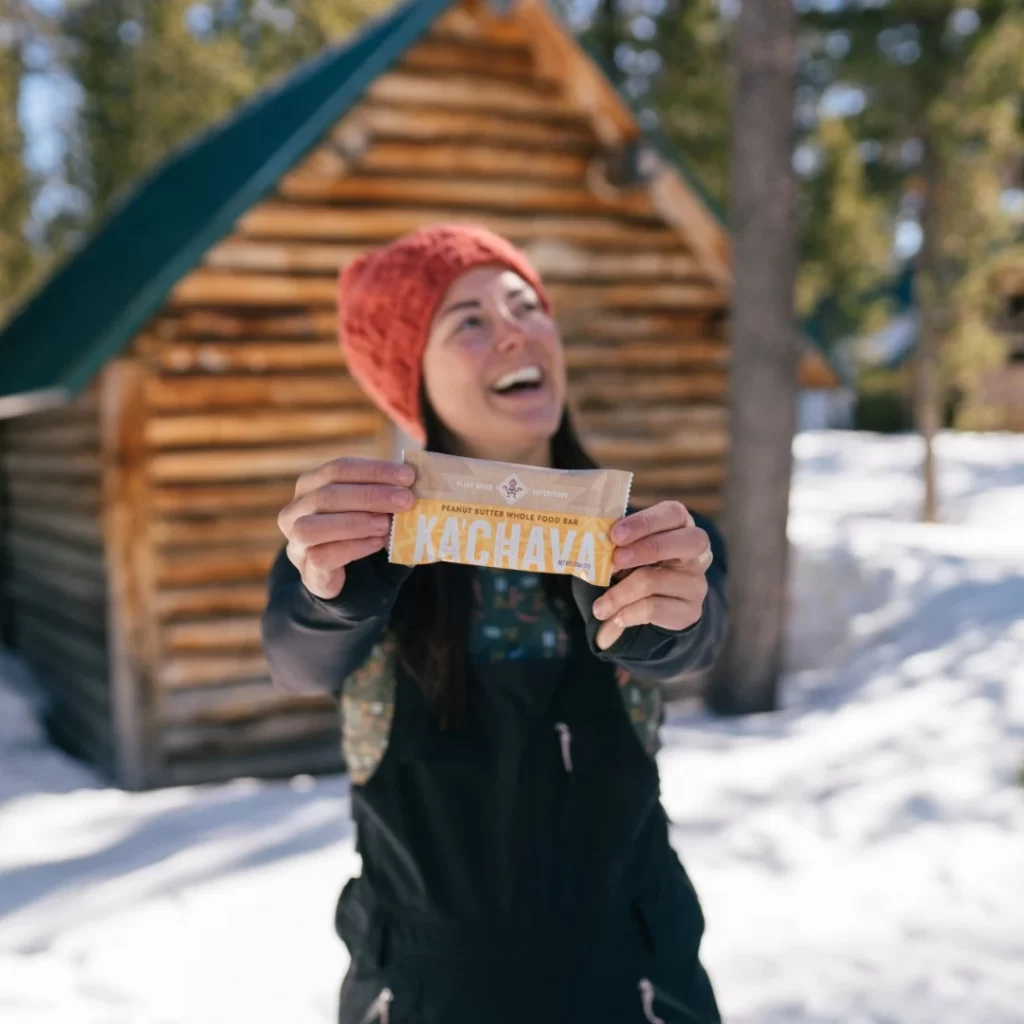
[(182, 568), (254, 463), (216, 599), (459, 192), (247, 357), (133, 650), (223, 391), (469, 92), (204, 499), (274, 219), (210, 429)]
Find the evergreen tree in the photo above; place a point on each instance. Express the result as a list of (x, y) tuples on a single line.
[(939, 83), (16, 255)]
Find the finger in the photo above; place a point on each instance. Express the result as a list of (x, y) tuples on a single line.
[(687, 544), (666, 515), (309, 531), (326, 558), (330, 498), (643, 583), (607, 635), (666, 612), (356, 471)]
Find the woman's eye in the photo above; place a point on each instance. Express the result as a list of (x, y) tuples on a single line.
[(469, 322)]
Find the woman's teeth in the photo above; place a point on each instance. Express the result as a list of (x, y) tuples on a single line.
[(523, 378)]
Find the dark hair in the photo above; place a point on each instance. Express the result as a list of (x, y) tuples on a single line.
[(432, 618)]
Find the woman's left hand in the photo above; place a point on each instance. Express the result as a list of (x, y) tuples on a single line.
[(664, 555)]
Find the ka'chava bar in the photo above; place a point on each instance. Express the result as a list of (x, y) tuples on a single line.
[(504, 516)]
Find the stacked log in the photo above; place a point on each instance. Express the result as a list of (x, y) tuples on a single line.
[(55, 580)]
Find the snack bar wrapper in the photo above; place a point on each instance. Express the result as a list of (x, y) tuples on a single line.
[(504, 516)]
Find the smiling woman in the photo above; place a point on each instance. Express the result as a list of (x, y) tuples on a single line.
[(498, 724)]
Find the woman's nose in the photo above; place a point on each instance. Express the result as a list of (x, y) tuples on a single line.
[(509, 334)]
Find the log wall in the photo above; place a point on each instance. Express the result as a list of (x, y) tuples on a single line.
[(55, 589)]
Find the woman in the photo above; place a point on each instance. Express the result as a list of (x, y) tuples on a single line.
[(499, 727)]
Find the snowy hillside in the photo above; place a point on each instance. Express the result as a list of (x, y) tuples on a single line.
[(860, 854)]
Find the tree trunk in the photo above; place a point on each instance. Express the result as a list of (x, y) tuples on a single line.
[(766, 352), (928, 392)]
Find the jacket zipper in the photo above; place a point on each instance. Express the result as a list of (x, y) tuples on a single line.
[(565, 739), (380, 1008), (649, 993)]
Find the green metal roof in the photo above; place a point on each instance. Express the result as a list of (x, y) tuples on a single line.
[(103, 295)]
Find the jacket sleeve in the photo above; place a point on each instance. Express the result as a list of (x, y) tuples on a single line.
[(313, 645), (662, 655)]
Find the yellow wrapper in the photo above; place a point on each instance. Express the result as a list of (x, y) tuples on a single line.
[(503, 516)]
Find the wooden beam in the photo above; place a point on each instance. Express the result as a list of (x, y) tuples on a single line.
[(480, 159), (231, 701), (629, 452), (203, 499), (252, 463), (608, 389), (88, 616), (246, 356), (207, 286), (133, 653), (648, 355), (87, 590), (209, 669), (452, 55), (215, 324), (306, 758), (238, 738), (436, 123), (210, 600), (200, 532), (31, 549), (468, 92), (654, 421), (51, 465), (207, 429), (460, 192), (182, 394), (81, 434), (185, 567), (275, 219), (232, 634), (79, 529), (554, 262), (83, 496)]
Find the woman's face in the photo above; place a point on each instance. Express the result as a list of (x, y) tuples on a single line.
[(493, 368)]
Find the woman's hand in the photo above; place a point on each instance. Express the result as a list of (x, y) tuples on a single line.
[(664, 556), (340, 513)]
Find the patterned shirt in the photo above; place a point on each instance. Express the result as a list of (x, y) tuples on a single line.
[(512, 621)]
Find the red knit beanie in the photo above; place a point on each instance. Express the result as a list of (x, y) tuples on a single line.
[(387, 299)]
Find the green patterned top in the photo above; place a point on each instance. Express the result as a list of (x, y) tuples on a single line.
[(512, 621)]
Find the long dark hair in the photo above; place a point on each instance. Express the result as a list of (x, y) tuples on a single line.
[(432, 618)]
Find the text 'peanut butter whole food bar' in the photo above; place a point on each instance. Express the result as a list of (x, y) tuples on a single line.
[(503, 516)]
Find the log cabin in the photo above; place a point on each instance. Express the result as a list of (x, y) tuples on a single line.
[(165, 387)]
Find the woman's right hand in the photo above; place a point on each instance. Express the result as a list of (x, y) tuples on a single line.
[(341, 512)]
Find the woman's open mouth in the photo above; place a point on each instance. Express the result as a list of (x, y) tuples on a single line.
[(526, 380)]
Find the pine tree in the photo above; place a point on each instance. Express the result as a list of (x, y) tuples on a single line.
[(940, 82), (16, 255)]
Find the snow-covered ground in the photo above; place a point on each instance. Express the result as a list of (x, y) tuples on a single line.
[(860, 854)]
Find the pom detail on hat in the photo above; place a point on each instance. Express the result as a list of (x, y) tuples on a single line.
[(387, 299)]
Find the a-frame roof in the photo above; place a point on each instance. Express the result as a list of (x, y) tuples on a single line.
[(90, 309)]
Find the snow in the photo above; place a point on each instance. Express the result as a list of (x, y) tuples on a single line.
[(858, 853)]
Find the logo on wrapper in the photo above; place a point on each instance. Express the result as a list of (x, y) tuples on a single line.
[(512, 489)]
